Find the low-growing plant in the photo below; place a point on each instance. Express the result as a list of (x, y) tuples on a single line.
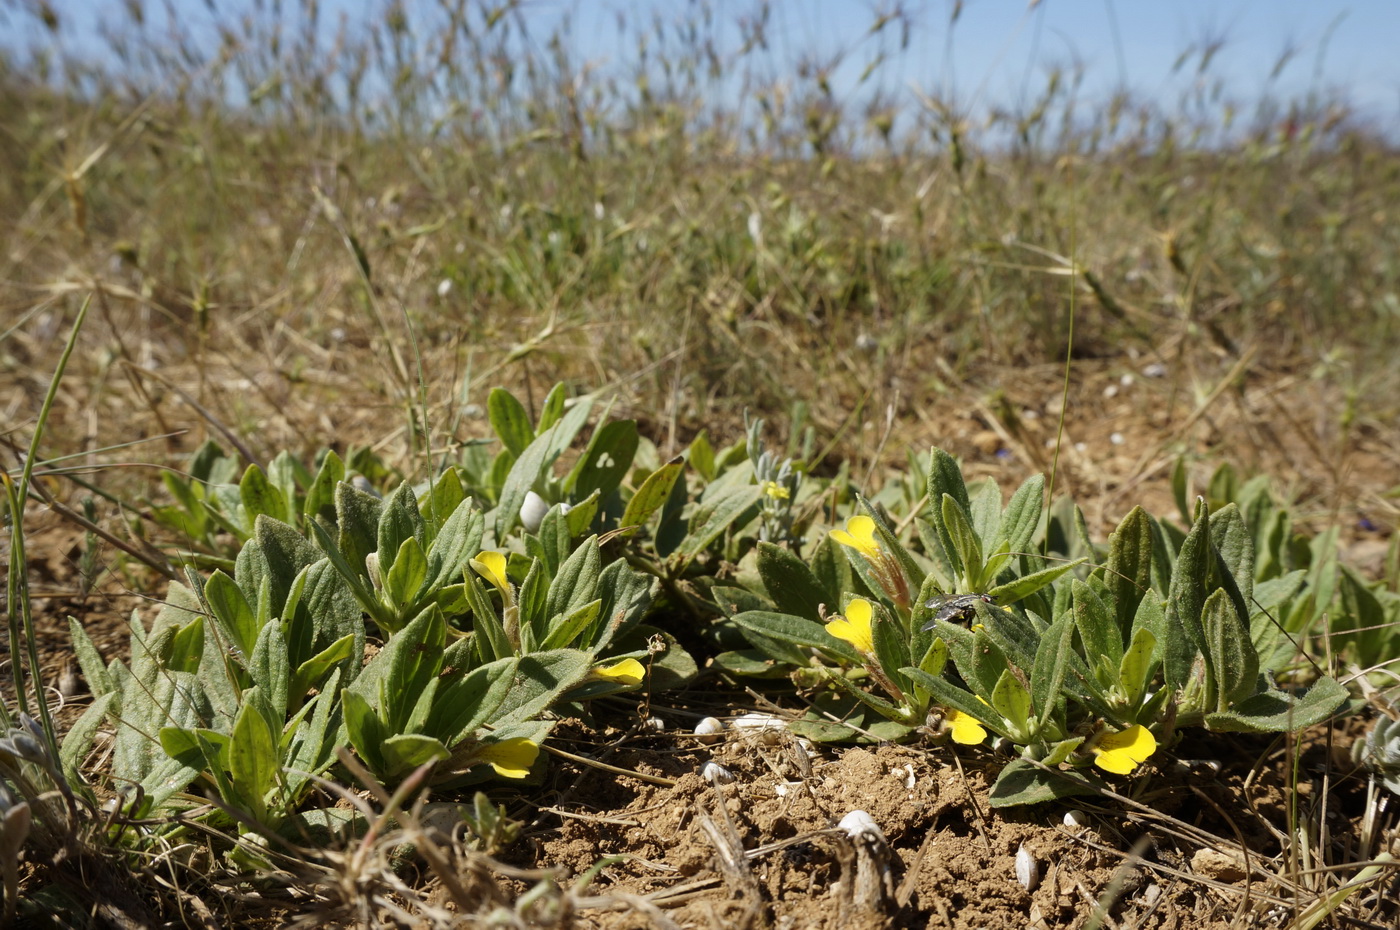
[(1071, 663)]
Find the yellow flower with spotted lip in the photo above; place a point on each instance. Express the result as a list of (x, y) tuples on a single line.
[(859, 534), (966, 729), (1120, 753), (492, 567), (511, 758), (855, 628), (626, 672)]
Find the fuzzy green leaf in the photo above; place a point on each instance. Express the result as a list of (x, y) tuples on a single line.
[(790, 583), (509, 420)]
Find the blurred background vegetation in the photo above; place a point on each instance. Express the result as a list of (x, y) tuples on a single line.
[(284, 217)]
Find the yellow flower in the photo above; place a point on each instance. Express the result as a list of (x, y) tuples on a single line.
[(966, 729), (859, 534), (775, 490), (855, 627), (1120, 753), (626, 672), (511, 758), (492, 567)]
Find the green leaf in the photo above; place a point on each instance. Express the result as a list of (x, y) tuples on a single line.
[(988, 664), (1128, 572), (1137, 667), (580, 516), (1052, 660), (314, 671), (576, 584), (405, 579), (1363, 618), (366, 731), (1098, 629), (552, 410), (320, 497), (509, 420), (187, 647), (465, 705), (786, 637), (310, 748), (891, 650), (539, 680), (269, 668), (533, 600), (966, 545), (949, 695), (398, 522), (442, 502), (286, 475), (413, 657), (260, 497), (1178, 481), (532, 464), (231, 611), (1186, 600), (713, 518), (357, 516), (88, 660), (565, 627), (1011, 699), (945, 478), (1028, 584), (1230, 651), (651, 495), (252, 760), (1023, 782), (485, 622), (457, 541), (1022, 514), (406, 751), (202, 750), (875, 702), (832, 571), (790, 583), (77, 742), (1279, 711), (701, 456), (984, 510), (626, 598), (276, 555), (1234, 547), (606, 460)]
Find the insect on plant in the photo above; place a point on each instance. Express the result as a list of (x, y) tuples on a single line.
[(954, 608)]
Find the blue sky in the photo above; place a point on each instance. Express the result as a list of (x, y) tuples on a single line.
[(996, 53)]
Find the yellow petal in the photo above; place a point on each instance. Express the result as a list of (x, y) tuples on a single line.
[(626, 672), (859, 534), (776, 491), (855, 627), (492, 567), (511, 758), (967, 729), (1120, 753)]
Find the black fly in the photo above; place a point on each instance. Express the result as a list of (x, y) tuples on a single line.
[(955, 608)]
